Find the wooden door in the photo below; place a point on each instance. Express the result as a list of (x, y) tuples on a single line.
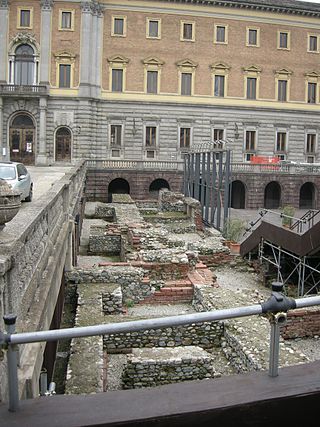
[(63, 145)]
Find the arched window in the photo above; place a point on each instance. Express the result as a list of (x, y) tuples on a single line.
[(23, 66)]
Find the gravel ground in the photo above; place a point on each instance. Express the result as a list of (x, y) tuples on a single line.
[(240, 281)]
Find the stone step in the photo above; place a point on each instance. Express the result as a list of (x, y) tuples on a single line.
[(178, 283), (196, 278), (175, 290), (169, 300)]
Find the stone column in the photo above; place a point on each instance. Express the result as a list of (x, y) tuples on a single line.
[(45, 60), (4, 19), (3, 147), (99, 43), (93, 65), (86, 49), (41, 158)]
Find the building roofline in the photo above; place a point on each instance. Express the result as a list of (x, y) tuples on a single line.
[(293, 7)]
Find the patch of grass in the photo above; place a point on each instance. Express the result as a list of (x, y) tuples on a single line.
[(129, 303)]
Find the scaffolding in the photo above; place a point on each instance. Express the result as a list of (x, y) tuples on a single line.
[(207, 175), (303, 271)]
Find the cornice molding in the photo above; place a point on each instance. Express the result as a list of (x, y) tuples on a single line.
[(275, 6)]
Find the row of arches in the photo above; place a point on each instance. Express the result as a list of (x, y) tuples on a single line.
[(272, 195), (22, 137), (121, 186)]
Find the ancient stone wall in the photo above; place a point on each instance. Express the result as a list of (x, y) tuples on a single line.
[(130, 280), (104, 240), (112, 301), (153, 367), (36, 246), (205, 335)]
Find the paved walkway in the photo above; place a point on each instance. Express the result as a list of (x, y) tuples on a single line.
[(44, 177)]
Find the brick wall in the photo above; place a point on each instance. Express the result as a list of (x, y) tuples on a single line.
[(139, 182), (302, 323)]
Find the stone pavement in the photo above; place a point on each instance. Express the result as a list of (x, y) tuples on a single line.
[(44, 177)]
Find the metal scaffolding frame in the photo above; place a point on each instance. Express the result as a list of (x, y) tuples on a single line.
[(307, 276), (207, 176)]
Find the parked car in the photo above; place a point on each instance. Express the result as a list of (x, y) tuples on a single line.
[(17, 175)]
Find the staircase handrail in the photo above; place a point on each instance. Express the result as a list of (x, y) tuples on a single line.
[(307, 218)]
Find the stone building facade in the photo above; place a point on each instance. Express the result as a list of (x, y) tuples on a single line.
[(146, 80)]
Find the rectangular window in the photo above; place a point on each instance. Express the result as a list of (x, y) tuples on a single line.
[(248, 157), (219, 86), (25, 18), (252, 37), (282, 90), (66, 20), (312, 93), (311, 143), (313, 44), (250, 140), (117, 80), (153, 29), (185, 138), (220, 34), (281, 143), (283, 40), (186, 83), (118, 26), (64, 75), (152, 81), (115, 135), (310, 159), (218, 134), (151, 136), (150, 154), (115, 153), (187, 31), (251, 88)]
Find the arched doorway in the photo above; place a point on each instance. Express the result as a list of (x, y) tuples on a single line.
[(272, 195), (63, 145), (157, 185), (22, 139), (118, 186), (307, 196), (238, 195)]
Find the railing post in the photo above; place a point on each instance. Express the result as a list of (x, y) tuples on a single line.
[(12, 361), (274, 346)]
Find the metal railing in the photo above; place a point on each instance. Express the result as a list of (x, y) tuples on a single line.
[(167, 165), (23, 90), (308, 218), (275, 308), (298, 226), (294, 169)]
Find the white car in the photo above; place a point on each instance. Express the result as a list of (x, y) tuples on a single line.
[(17, 175)]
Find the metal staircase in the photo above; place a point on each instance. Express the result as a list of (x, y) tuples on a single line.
[(294, 251)]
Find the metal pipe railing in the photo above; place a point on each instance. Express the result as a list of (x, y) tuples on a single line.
[(275, 308)]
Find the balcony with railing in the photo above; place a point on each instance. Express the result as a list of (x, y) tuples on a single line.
[(279, 168), (23, 90), (145, 165)]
